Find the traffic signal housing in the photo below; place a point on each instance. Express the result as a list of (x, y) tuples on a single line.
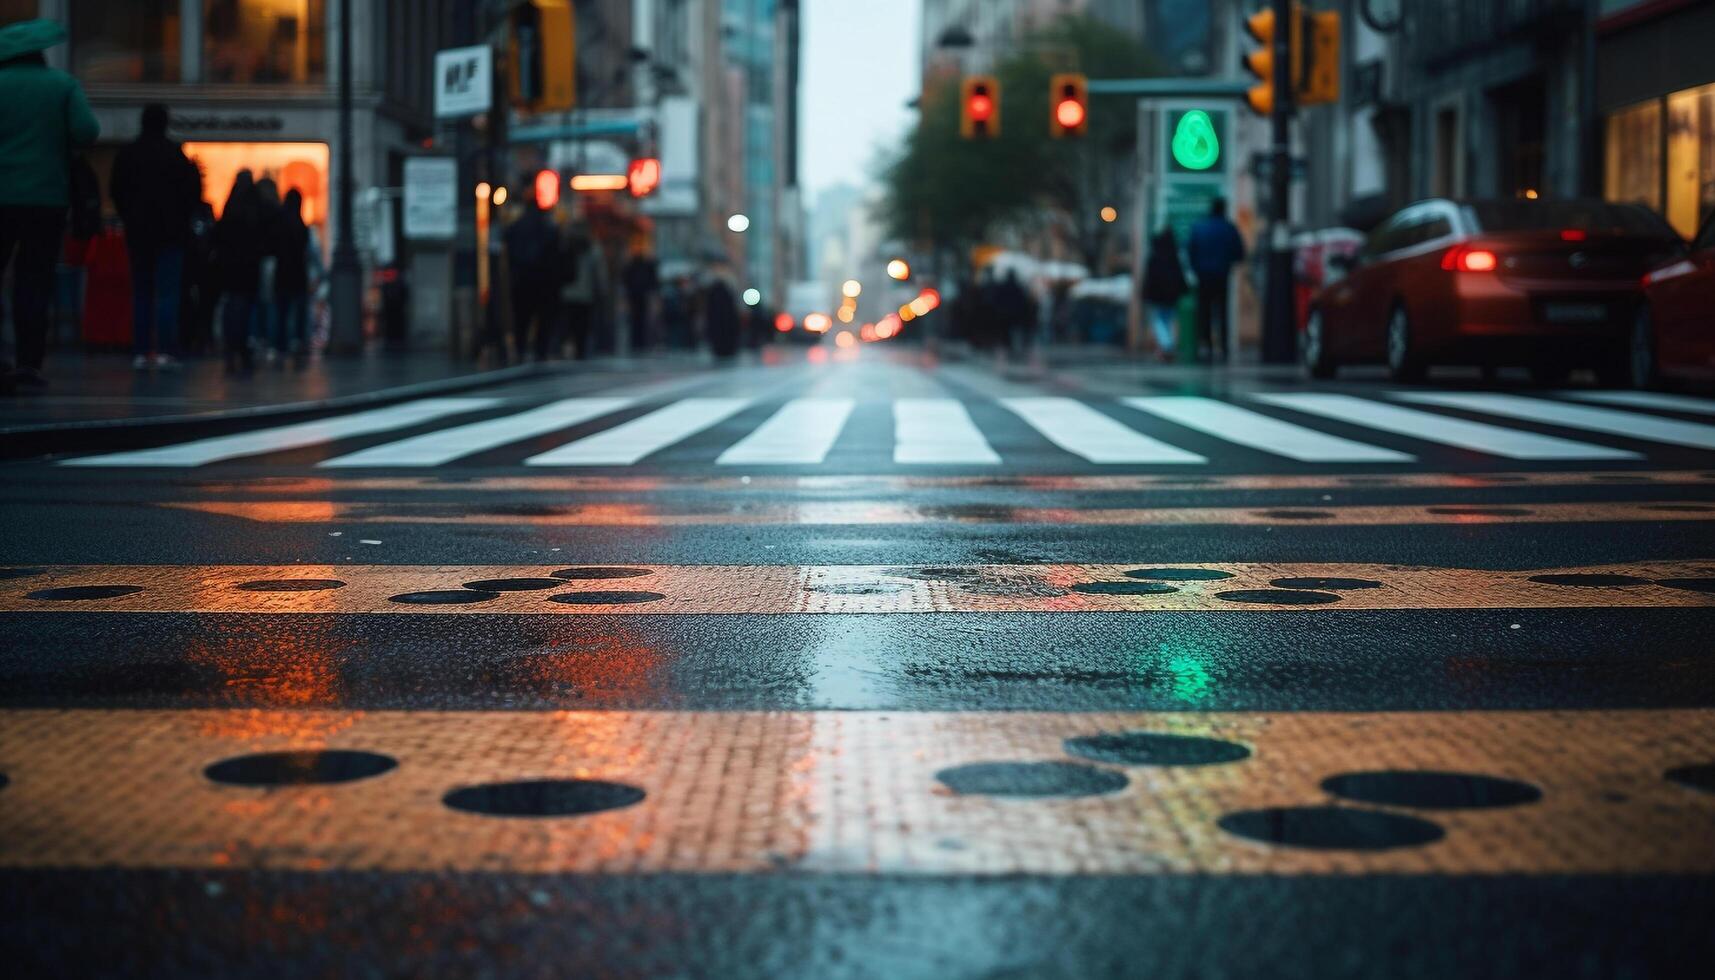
[(542, 45), (1068, 105), (1262, 27), (979, 107), (1322, 66)]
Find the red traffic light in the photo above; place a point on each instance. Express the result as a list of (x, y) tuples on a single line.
[(1069, 113), (547, 189), (643, 176), (981, 107)]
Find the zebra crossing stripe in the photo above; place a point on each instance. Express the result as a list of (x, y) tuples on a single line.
[(1228, 587), (1647, 399), (1083, 431), (625, 444), (858, 792), (867, 512), (802, 431), (1630, 425), (1446, 430), (446, 445), (1254, 430), (296, 436), (938, 431)]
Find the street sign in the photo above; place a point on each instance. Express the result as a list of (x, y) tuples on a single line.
[(431, 198), (1195, 139), (464, 81)]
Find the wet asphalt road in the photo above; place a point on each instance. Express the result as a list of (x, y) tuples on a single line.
[(269, 913)]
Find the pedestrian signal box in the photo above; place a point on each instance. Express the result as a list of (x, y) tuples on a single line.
[(543, 56), (979, 107)]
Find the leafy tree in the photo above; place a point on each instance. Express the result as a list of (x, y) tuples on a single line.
[(950, 194)]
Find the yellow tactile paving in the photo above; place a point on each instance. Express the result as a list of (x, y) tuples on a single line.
[(838, 792), (786, 589), (634, 514), (893, 484)]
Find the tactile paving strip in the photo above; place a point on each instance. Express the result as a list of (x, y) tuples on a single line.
[(780, 589), (853, 792), (866, 512)]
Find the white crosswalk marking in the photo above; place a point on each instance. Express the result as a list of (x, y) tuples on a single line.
[(1631, 425), (446, 445), (295, 436), (1083, 431), (625, 444), (1271, 435), (1443, 429), (801, 432), (1647, 399), (938, 430)]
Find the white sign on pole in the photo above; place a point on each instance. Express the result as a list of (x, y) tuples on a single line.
[(464, 81), (431, 198)]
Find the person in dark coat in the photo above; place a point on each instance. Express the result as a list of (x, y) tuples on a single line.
[(580, 286), (238, 248), (720, 313), (1213, 248), (291, 244), (43, 118), (642, 279), (156, 190), (1015, 310), (533, 260), (1163, 285)]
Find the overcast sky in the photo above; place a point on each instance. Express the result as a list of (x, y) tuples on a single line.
[(860, 68)]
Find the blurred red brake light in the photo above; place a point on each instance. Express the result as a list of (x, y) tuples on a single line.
[(1464, 258)]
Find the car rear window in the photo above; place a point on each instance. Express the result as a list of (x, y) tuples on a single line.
[(1584, 215)]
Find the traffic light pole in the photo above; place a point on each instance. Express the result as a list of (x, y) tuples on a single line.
[(1278, 329)]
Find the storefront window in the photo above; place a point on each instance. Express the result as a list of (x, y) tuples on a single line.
[(292, 166), (265, 41), (125, 40), (1633, 172), (1690, 158)]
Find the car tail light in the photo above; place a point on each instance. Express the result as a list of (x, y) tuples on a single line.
[(1464, 258), (1573, 235)]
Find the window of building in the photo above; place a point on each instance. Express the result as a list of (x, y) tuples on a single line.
[(125, 41), (265, 41), (1690, 158), (1633, 172)]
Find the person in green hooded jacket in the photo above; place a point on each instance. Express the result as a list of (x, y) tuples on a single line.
[(44, 118)]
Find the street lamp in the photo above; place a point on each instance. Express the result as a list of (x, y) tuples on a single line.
[(899, 269), (851, 289), (738, 224), (752, 296), (1109, 215)]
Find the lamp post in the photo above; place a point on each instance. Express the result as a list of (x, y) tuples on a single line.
[(345, 282)]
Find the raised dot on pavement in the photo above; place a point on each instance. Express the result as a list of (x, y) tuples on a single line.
[(514, 584), (1297, 515), (1700, 777), (1479, 511), (12, 573), (1431, 790), (1031, 779), (291, 585), (1590, 580), (1278, 597), (75, 593), (1124, 588), (543, 797), (599, 572), (605, 598), (1333, 584), (299, 768), (1155, 749), (1180, 574), (1331, 828), (444, 597), (1688, 584)]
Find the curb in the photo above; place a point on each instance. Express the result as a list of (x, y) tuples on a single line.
[(99, 435)]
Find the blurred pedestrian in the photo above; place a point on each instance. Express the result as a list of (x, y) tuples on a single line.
[(238, 250), (267, 316), (580, 286), (676, 300), (291, 242), (1163, 286), (1015, 309), (201, 289), (1213, 248), (641, 277), (157, 190), (533, 265), (720, 310), (44, 119)]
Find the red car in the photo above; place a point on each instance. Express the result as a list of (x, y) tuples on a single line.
[(1552, 285), (1674, 334)]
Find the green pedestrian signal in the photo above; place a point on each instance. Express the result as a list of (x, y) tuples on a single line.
[(1195, 145)]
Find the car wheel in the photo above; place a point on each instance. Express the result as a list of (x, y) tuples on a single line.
[(1643, 373), (1403, 362), (1316, 359)]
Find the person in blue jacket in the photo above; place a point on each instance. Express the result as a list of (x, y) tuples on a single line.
[(1213, 248)]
